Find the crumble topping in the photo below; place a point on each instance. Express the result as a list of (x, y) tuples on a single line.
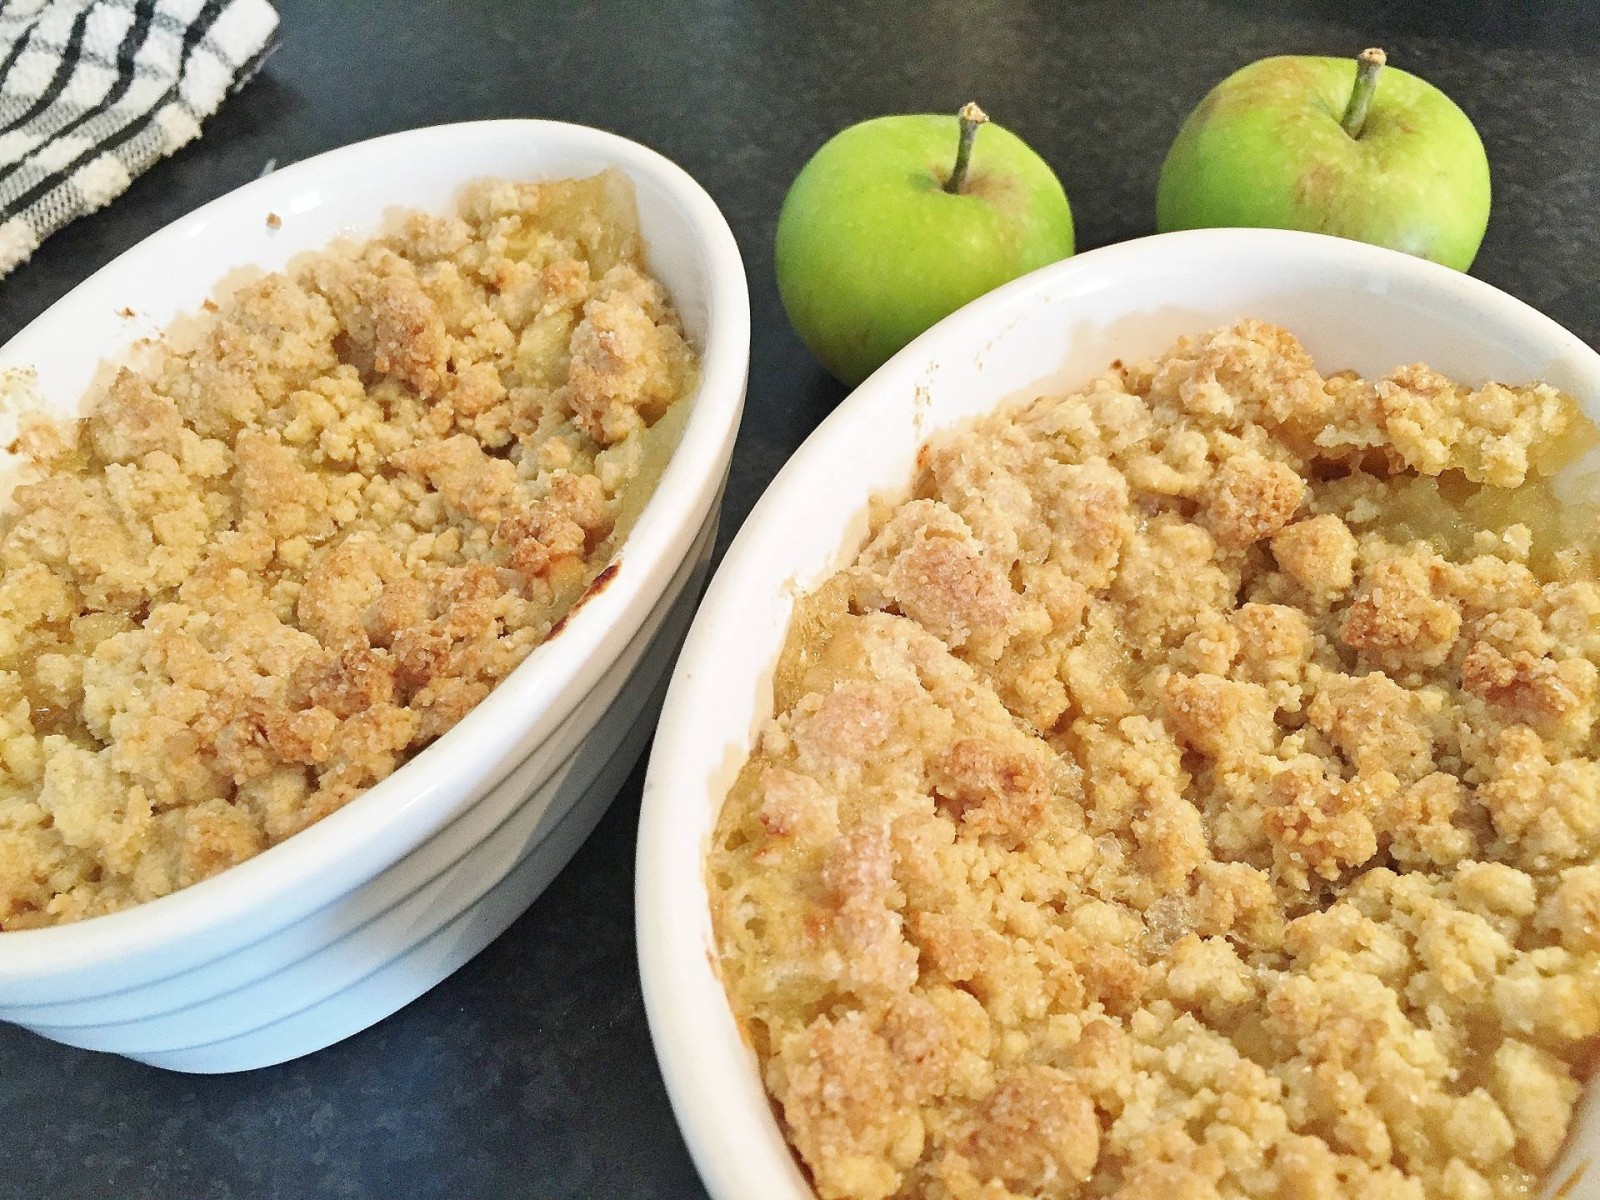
[(1188, 792), (303, 538)]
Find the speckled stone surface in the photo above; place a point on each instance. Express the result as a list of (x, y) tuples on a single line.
[(529, 1073)]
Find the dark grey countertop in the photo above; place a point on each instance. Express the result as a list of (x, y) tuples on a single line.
[(529, 1073)]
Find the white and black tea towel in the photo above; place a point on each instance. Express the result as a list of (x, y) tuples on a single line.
[(93, 92)]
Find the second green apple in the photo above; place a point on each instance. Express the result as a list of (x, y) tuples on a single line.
[(883, 233), (1332, 146)]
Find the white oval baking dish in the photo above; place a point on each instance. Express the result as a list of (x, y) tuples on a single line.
[(337, 927), (1353, 305)]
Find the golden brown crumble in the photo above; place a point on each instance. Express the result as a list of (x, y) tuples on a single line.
[(303, 539), (1187, 793)]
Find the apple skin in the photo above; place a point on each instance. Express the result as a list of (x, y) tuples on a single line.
[(871, 250), (1265, 148)]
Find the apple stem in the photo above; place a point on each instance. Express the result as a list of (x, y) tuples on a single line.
[(1368, 64), (971, 116)]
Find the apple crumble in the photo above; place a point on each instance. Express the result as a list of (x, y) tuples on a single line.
[(294, 543), (1188, 792)]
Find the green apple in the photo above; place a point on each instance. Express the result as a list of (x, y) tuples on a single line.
[(1323, 144), (899, 221)]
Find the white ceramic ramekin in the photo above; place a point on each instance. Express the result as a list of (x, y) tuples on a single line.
[(1353, 305), (347, 921)]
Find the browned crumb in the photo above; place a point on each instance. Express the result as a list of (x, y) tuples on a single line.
[(1181, 796), (274, 221), (285, 552)]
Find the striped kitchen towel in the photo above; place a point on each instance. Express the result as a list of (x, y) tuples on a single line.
[(92, 92)]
